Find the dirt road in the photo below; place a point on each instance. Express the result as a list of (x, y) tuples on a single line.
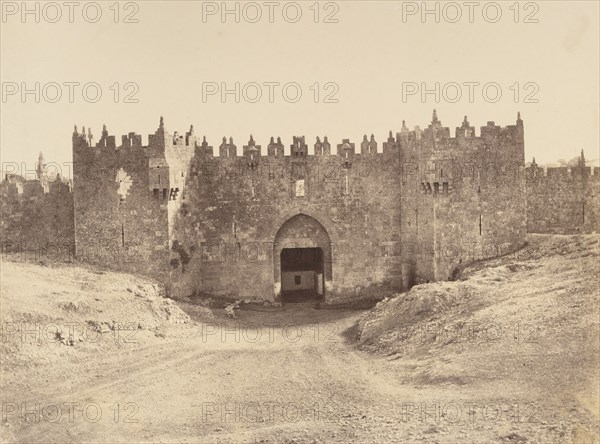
[(288, 375)]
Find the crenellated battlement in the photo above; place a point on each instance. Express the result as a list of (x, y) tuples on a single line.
[(563, 172), (438, 137), (131, 140), (160, 140), (563, 199), (405, 139), (537, 173)]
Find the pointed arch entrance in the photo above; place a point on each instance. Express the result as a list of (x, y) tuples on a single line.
[(302, 259)]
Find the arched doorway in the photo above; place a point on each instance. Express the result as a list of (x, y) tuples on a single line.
[(302, 260)]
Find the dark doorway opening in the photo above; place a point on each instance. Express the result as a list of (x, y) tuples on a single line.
[(302, 274)]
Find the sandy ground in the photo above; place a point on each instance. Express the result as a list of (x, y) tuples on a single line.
[(508, 353)]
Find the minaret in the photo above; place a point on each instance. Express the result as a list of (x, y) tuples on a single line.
[(41, 167), (435, 122)]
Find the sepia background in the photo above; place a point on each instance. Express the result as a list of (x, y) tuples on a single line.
[(368, 54), (157, 292)]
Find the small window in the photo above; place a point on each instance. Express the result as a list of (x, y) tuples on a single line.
[(297, 279), (445, 187), (165, 193), (300, 188), (156, 193), (436, 187)]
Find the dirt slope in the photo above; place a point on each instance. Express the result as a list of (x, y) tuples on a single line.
[(294, 374), (525, 324), (53, 313)]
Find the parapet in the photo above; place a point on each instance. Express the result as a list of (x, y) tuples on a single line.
[(435, 135), (299, 148), (252, 153), (562, 172), (159, 141), (204, 150), (275, 149), (227, 149), (132, 139), (368, 146)]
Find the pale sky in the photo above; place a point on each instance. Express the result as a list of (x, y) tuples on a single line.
[(369, 54)]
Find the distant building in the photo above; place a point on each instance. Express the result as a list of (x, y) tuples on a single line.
[(37, 214)]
